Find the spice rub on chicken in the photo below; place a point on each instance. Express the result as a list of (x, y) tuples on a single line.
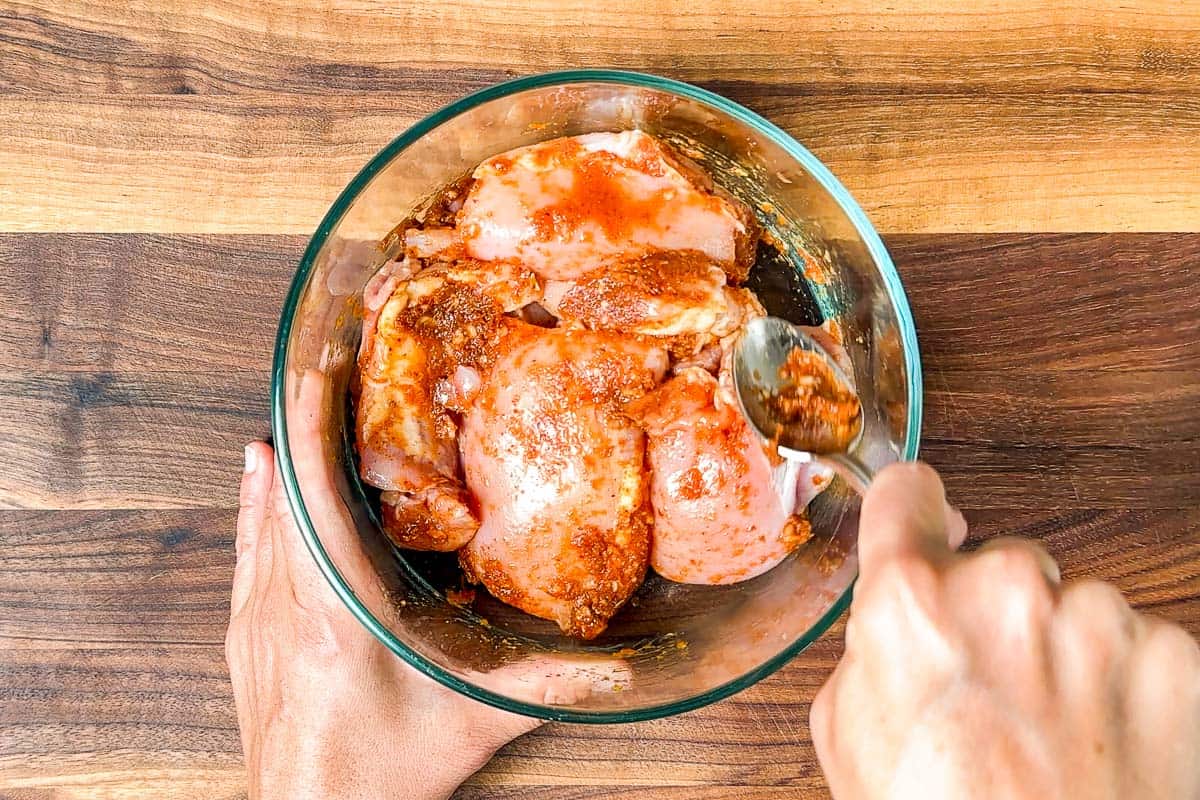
[(422, 353), (557, 467), (541, 385), (563, 207)]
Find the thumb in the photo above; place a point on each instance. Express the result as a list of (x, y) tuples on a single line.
[(253, 513), (905, 511)]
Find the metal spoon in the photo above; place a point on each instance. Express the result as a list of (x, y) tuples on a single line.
[(758, 357)]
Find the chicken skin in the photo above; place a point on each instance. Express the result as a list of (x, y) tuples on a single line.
[(724, 509), (682, 296), (557, 468), (424, 343), (563, 206)]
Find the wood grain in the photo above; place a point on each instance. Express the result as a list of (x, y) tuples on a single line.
[(362, 47), (1065, 439), (1091, 303), (101, 441), (1061, 370), (173, 439), (112, 621), (273, 163), (163, 163), (116, 581), (112, 624), (132, 305)]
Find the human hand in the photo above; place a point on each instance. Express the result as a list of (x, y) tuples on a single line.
[(325, 710), (980, 676)]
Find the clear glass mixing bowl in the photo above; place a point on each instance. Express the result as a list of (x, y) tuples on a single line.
[(673, 647)]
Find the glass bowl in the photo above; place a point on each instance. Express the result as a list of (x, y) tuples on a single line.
[(673, 647)]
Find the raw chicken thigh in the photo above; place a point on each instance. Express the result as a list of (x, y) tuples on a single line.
[(680, 295), (422, 349), (564, 206), (724, 510), (557, 468)]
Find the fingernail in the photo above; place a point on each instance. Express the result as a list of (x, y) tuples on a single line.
[(251, 459)]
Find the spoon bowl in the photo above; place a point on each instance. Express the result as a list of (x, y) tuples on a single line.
[(760, 376)]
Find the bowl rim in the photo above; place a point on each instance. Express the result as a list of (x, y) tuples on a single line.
[(345, 593)]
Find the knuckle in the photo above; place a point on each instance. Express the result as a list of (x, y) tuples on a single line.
[(1091, 597), (324, 640), (909, 470), (1172, 646), (853, 636), (246, 499), (903, 573), (1014, 562), (281, 516), (1008, 582), (1095, 624), (905, 585), (919, 469)]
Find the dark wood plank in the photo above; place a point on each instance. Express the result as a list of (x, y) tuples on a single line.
[(1061, 370), (110, 47), (1053, 301), (112, 674), (72, 302), (112, 623), (121, 304), (105, 440), (1065, 439), (115, 579), (1061, 439)]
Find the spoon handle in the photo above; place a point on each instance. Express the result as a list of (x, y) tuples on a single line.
[(853, 471)]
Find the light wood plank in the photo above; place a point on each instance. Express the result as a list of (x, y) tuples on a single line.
[(124, 775), (265, 163)]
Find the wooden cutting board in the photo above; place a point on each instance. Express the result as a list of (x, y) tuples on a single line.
[(1033, 168)]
